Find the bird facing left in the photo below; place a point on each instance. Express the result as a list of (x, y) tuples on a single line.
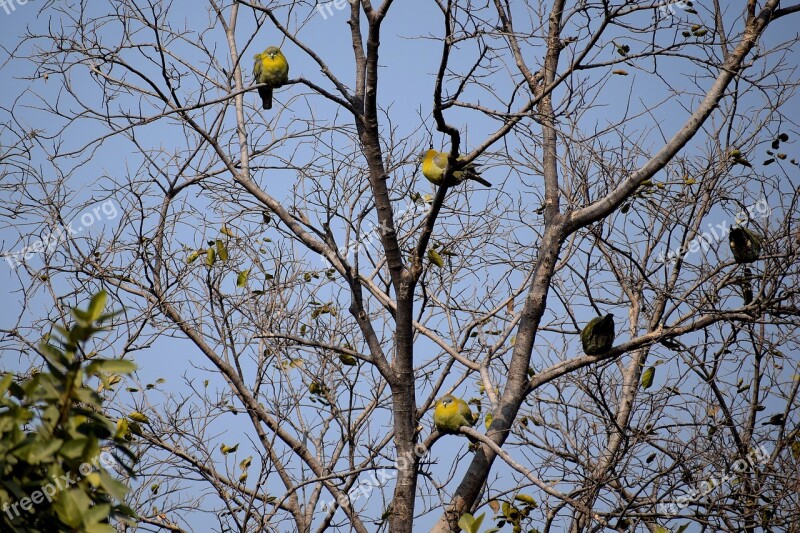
[(434, 166), (451, 413)]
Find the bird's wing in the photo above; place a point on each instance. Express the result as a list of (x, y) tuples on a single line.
[(586, 332), (472, 165), (257, 67), (465, 411), (440, 160)]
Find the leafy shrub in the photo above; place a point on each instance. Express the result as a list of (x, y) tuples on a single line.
[(57, 447)]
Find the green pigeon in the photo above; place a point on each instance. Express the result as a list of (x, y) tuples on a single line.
[(270, 67), (434, 165), (745, 245), (598, 335), (450, 413)]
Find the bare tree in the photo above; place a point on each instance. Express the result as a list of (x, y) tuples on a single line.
[(325, 294)]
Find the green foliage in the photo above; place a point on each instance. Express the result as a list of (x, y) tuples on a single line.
[(472, 524), (53, 476), (513, 512)]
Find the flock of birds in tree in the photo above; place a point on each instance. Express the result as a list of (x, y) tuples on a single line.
[(271, 71)]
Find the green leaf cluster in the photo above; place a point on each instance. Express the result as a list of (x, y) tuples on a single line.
[(55, 439)]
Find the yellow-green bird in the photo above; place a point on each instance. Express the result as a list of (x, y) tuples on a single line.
[(434, 164), (270, 67), (598, 335), (451, 413), (745, 245)]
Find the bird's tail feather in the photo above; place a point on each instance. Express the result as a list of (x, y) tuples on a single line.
[(471, 172), (476, 177), (266, 97)]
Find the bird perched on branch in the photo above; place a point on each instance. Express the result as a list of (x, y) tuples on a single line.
[(451, 413), (270, 67), (745, 245), (434, 165), (598, 335)]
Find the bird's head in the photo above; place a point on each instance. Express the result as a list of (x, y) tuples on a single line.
[(272, 51), (608, 322), (446, 400), (427, 153)]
